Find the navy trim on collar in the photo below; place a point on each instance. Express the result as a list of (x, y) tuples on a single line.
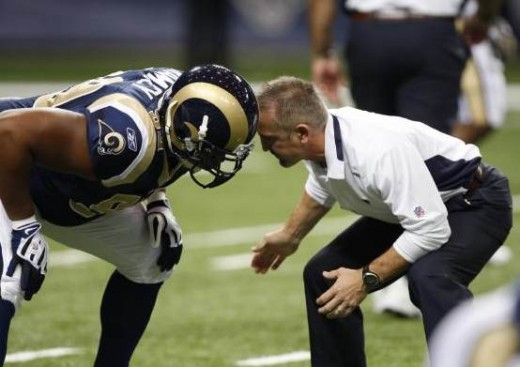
[(337, 138)]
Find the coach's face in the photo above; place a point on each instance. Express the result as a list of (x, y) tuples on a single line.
[(283, 144)]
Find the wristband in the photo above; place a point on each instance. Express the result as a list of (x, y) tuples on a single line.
[(158, 195), (22, 222)]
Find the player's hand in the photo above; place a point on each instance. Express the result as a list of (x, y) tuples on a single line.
[(328, 77), (474, 30), (345, 294), (272, 250), (164, 231), (30, 252)]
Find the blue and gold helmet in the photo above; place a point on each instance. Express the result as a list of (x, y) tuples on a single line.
[(210, 121)]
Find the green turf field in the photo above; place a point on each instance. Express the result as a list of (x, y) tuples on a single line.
[(206, 317), (59, 64)]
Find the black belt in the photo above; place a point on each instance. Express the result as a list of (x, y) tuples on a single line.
[(396, 16), (476, 180)]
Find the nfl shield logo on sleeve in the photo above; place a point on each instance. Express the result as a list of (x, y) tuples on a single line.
[(419, 211)]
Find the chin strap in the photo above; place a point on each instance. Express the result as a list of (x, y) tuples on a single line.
[(168, 126)]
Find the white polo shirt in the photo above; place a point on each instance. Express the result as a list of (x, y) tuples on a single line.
[(441, 8), (395, 170)]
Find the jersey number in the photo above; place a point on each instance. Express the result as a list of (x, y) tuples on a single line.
[(115, 203), (77, 91)]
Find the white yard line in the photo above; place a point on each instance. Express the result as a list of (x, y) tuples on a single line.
[(70, 257), (249, 235), (513, 96), (299, 356), (230, 237), (220, 238), (231, 262), (38, 354)]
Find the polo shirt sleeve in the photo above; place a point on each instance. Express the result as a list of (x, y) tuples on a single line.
[(315, 188), (407, 187)]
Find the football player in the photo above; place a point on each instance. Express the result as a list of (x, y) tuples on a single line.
[(483, 102), (481, 332), (88, 165)]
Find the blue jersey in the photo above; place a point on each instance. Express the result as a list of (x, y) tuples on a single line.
[(125, 145)]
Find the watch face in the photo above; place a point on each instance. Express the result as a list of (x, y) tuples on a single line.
[(370, 279)]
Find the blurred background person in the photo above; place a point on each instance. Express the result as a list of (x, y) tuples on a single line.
[(483, 103), (484, 332), (511, 12), (404, 58), (207, 32), (483, 99)]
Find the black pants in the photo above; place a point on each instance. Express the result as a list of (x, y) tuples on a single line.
[(437, 282), (409, 68)]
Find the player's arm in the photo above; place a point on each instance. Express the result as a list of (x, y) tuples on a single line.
[(51, 138), (275, 246), (326, 67), (48, 137), (321, 20)]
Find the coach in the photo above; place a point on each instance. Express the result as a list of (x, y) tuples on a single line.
[(429, 207)]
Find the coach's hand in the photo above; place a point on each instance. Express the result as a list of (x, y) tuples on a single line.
[(164, 231), (272, 250), (30, 251), (345, 294)]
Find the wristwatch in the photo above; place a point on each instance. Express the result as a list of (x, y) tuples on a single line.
[(370, 279)]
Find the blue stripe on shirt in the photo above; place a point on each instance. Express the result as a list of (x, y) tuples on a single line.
[(450, 175), (337, 138)]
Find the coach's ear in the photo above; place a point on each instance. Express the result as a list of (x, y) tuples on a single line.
[(303, 132)]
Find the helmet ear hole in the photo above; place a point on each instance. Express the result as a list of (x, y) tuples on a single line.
[(179, 128)]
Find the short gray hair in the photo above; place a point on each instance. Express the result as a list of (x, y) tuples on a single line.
[(294, 101)]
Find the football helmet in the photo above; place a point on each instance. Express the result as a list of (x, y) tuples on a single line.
[(209, 121)]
